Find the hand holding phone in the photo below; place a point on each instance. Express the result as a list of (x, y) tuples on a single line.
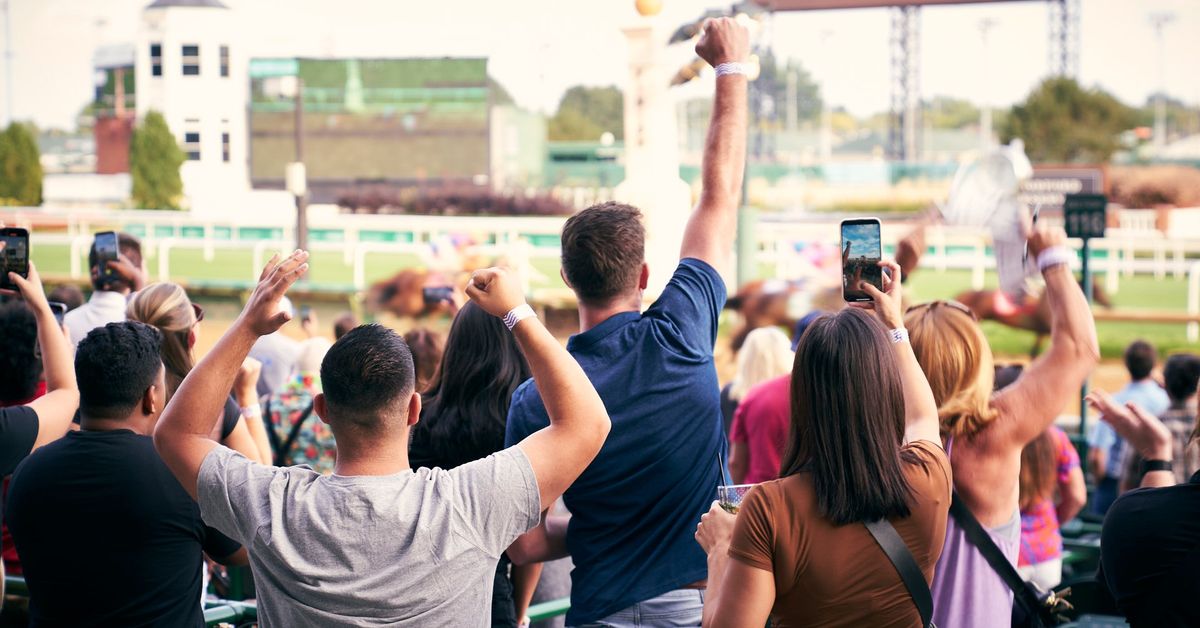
[(59, 310), (105, 248), (862, 250)]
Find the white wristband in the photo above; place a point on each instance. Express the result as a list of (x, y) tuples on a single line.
[(1054, 256), (518, 314), (899, 335), (732, 67), (252, 411)]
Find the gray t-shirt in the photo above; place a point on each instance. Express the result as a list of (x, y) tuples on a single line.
[(409, 549)]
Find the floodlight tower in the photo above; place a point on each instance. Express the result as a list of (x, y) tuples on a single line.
[(1064, 38), (906, 82), (1159, 21), (985, 107)]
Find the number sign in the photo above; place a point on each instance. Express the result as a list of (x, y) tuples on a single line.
[(1085, 215)]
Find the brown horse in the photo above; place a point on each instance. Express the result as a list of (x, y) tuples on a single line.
[(1033, 315)]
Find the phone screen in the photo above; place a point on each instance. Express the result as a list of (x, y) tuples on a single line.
[(14, 255), (105, 245), (861, 253)]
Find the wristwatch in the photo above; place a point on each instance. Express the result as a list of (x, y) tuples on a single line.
[(1156, 465)]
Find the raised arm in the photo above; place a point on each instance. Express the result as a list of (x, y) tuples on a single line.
[(710, 231), (920, 407), (1142, 430), (183, 434), (1036, 399), (57, 407), (578, 421)]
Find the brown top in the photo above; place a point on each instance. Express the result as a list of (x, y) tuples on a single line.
[(839, 576)]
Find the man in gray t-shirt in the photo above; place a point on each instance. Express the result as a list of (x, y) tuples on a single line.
[(377, 543)]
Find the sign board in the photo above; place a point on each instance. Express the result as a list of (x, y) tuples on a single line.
[(1085, 215), (1050, 184)]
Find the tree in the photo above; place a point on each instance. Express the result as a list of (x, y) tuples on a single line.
[(154, 161), (1181, 119), (1063, 122), (773, 81), (946, 112), (20, 166), (585, 113)]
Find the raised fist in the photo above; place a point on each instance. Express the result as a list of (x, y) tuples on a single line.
[(723, 41), (496, 290)]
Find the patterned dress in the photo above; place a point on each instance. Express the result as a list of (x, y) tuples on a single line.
[(314, 445)]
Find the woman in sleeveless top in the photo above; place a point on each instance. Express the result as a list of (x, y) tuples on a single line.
[(986, 432), (864, 447)]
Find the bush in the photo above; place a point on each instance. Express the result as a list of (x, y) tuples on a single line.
[(448, 202), (154, 161), (20, 166), (1142, 187)]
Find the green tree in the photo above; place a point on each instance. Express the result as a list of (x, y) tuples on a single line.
[(773, 81), (585, 113), (20, 166), (154, 161), (946, 112), (1063, 122), (1181, 119)]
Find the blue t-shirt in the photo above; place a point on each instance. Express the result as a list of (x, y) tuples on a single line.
[(1147, 394), (634, 510)]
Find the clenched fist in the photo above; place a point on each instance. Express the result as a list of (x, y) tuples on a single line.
[(496, 290), (723, 41)]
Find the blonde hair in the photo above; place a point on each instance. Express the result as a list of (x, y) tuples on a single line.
[(767, 354), (957, 361), (167, 307)]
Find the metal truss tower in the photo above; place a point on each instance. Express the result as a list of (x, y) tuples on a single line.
[(906, 83), (1064, 37)]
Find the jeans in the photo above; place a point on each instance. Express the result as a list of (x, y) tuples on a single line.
[(673, 609)]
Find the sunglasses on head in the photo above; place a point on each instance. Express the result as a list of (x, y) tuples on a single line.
[(199, 311), (950, 303)]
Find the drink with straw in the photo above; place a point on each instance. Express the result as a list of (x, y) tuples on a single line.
[(730, 496)]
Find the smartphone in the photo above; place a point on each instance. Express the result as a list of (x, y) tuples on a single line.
[(105, 246), (861, 252), (438, 294), (14, 255), (60, 310)]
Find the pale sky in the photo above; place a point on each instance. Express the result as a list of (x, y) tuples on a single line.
[(538, 48)]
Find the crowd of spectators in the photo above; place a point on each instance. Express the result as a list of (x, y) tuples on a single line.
[(900, 477)]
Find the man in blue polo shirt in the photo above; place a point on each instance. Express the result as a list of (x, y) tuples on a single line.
[(635, 508)]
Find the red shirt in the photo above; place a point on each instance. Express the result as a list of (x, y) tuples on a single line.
[(762, 421)]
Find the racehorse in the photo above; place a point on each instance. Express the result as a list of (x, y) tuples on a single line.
[(1033, 315)]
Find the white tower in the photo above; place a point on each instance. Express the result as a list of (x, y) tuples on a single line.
[(191, 68)]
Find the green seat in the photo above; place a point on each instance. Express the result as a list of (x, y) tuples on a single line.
[(546, 610)]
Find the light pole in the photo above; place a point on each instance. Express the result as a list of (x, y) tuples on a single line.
[(1159, 21), (985, 108), (297, 177)]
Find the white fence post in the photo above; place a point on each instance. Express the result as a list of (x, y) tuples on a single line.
[(978, 265), (1193, 328), (209, 253), (164, 258)]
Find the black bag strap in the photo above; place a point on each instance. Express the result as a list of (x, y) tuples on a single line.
[(902, 559), (282, 452), (992, 554)]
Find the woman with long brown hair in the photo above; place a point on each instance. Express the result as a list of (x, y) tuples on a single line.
[(864, 447), (985, 432), (1052, 491), (167, 307)]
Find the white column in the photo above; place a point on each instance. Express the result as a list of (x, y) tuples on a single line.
[(652, 182)]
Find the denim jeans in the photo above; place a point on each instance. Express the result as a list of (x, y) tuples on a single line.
[(673, 609)]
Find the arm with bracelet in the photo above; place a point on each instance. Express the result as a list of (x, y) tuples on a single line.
[(579, 423), (1052, 381)]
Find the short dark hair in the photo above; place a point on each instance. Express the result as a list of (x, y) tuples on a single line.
[(1140, 357), (603, 249), (343, 324), (68, 294), (848, 420), (114, 365), (19, 359), (365, 373), (1181, 374), (426, 347), (127, 245)]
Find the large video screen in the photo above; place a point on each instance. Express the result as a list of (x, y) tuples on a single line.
[(389, 120)]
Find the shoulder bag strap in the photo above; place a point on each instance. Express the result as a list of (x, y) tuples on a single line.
[(992, 554), (281, 454), (902, 559)]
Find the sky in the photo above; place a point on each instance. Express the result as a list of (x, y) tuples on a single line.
[(538, 48), (864, 240)]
